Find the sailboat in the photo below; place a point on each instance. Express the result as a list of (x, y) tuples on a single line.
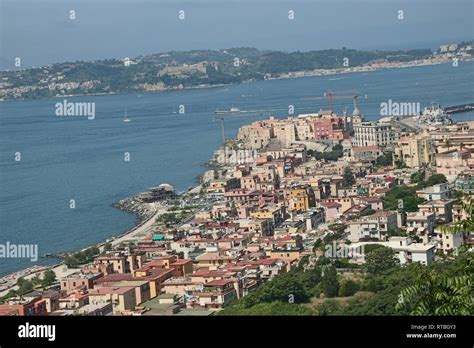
[(125, 118)]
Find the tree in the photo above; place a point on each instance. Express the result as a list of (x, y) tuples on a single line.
[(434, 294), (432, 180), (347, 178), (407, 194), (24, 285), (417, 176), (107, 247), (329, 282), (266, 309), (348, 288), (49, 277), (465, 225), (385, 159), (71, 261), (380, 260)]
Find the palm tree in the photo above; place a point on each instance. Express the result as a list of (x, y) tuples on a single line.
[(466, 225), (433, 294)]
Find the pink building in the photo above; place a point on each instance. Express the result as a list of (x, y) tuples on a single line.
[(332, 210), (329, 129), (454, 162)]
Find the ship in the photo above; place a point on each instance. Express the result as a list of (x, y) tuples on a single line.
[(434, 115)]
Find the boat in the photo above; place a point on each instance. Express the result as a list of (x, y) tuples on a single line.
[(232, 110), (125, 118)]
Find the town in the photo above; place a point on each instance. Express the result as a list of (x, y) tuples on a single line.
[(284, 194)]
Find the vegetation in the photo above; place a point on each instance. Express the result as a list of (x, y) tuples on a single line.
[(384, 160), (333, 155), (380, 260), (267, 309), (347, 178), (81, 257), (170, 219), (49, 278), (418, 178), (405, 193), (348, 287), (219, 67), (329, 282), (449, 292), (434, 294), (466, 225)]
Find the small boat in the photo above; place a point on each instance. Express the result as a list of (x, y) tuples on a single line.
[(232, 110), (125, 118)]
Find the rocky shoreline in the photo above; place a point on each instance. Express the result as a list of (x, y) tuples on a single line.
[(133, 205)]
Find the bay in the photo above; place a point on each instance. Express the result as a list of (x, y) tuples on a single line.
[(65, 158)]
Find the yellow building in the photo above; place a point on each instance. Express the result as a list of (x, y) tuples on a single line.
[(300, 199), (287, 255), (415, 151)]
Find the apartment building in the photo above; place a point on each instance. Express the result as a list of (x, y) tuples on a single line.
[(435, 193), (448, 241), (422, 223), (373, 134), (405, 249), (415, 151), (454, 162), (122, 298), (79, 281), (442, 209), (366, 153), (375, 226)]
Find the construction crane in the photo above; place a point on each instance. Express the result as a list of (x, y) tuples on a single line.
[(335, 95), (236, 112)]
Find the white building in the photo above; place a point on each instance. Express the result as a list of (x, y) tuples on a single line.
[(373, 134), (422, 223), (435, 192), (449, 241), (405, 249)]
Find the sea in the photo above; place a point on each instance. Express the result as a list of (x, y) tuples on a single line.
[(60, 175)]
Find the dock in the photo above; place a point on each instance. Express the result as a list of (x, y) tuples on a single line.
[(455, 109)]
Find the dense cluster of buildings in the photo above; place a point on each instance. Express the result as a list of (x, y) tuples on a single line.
[(267, 213)]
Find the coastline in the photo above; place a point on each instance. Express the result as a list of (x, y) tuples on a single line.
[(59, 268), (284, 76)]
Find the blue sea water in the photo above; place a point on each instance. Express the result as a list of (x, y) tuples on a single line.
[(64, 158)]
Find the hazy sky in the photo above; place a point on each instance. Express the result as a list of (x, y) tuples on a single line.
[(40, 31)]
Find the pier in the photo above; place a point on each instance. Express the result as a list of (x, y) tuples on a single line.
[(455, 109)]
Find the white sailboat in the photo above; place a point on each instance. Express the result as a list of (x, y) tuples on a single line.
[(125, 118)]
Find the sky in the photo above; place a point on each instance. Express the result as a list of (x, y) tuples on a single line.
[(41, 32)]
